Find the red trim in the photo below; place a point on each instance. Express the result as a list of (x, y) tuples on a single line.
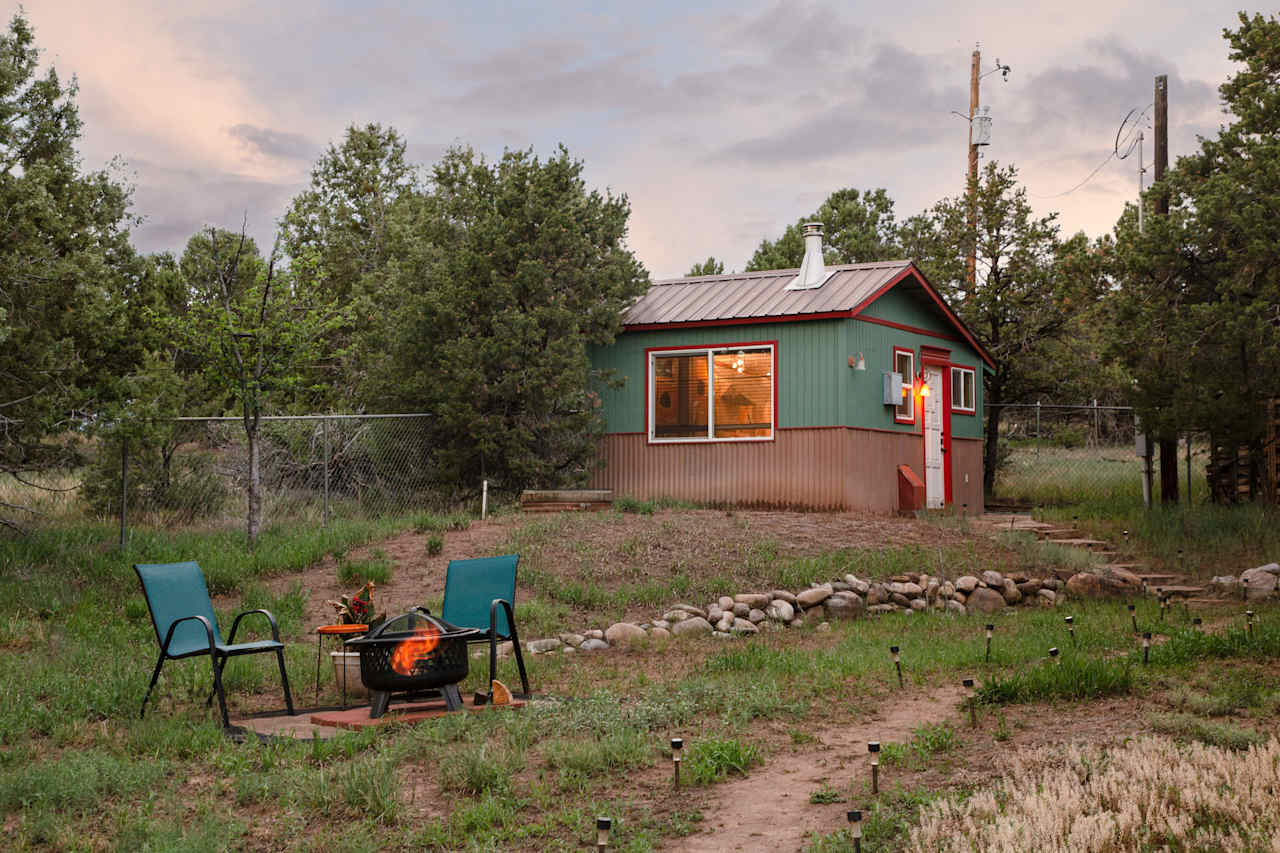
[(736, 321), (912, 269), (961, 410), (648, 431), (911, 395), (913, 329), (942, 365), (901, 432)]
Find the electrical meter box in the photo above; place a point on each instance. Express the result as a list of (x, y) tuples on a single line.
[(892, 389)]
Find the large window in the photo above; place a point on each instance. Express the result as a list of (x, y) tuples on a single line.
[(964, 397), (720, 393), (904, 364)]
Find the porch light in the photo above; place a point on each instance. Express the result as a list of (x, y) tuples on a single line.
[(924, 389), (857, 362)]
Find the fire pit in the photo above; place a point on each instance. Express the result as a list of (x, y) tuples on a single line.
[(413, 655)]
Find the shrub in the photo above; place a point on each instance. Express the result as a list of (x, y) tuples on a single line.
[(715, 759)]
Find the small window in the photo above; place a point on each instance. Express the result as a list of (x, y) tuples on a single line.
[(964, 396), (904, 364), (721, 393)]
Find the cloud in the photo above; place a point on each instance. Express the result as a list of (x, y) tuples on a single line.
[(279, 144)]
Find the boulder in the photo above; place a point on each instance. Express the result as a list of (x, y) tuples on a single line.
[(931, 590), (1225, 585), (814, 614), (572, 639), (1090, 585), (714, 612), (883, 608), (859, 586), (985, 601), (900, 599), (955, 607), (966, 584), (660, 634), (1010, 592), (1128, 581), (782, 594), (744, 626), (594, 634), (691, 610), (841, 586), (726, 621), (947, 590), (846, 606), (741, 609), (877, 593), (725, 602), (814, 596), (1258, 583), (594, 645), (752, 599), (993, 579), (919, 604), (693, 625), (1029, 587), (543, 646), (624, 634), (1047, 596), (755, 617), (1273, 568), (1051, 583), (781, 610), (674, 616)]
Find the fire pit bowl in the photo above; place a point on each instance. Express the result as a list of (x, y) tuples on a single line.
[(413, 654)]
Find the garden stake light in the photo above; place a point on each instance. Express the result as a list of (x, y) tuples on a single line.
[(1195, 623), (1160, 596), (897, 663), (855, 830), (990, 628), (1053, 655), (677, 748), (1146, 648), (602, 833), (1071, 629), (973, 711), (1133, 614), (1248, 622), (873, 747)]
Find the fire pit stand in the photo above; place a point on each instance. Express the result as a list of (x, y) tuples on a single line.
[(413, 656)]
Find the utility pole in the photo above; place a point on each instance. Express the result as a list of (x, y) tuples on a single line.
[(971, 280), (1168, 443)]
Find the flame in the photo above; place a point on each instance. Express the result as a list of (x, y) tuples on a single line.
[(412, 650)]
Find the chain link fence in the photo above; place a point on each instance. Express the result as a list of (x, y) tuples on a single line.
[(312, 469), (1061, 454)]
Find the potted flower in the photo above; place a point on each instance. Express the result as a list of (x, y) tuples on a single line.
[(354, 609)]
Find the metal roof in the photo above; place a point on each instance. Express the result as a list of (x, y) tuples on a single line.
[(742, 296), (758, 296)]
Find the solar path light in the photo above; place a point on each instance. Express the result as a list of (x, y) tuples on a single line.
[(677, 748), (855, 829), (603, 825), (971, 695), (873, 747), (1146, 648), (897, 662), (990, 629), (1133, 614), (1053, 656), (1071, 628)]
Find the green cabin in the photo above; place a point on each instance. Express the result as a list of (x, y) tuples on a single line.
[(851, 387)]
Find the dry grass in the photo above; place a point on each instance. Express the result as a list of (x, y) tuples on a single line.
[(1153, 793)]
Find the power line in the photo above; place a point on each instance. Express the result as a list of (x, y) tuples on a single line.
[(1115, 152)]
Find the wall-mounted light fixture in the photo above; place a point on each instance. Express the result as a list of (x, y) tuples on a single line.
[(857, 362)]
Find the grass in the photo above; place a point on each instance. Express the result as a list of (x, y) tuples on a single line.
[(376, 568), (1223, 734), (79, 771), (712, 760)]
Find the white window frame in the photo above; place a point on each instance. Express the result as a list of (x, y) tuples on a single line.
[(909, 384), (969, 375), (711, 352)]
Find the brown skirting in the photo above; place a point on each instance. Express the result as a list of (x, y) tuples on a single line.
[(817, 468)]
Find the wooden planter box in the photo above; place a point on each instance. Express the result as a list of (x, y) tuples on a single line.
[(566, 500)]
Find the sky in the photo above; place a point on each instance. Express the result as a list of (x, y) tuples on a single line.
[(722, 122)]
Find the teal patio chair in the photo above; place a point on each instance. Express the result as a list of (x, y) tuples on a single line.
[(481, 594), (185, 625)]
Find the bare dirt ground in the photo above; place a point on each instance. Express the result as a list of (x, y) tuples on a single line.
[(613, 549)]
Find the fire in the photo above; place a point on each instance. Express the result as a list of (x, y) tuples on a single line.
[(412, 650)]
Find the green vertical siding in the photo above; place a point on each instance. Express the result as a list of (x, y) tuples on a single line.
[(816, 386)]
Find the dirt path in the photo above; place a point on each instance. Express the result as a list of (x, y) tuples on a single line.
[(770, 809)]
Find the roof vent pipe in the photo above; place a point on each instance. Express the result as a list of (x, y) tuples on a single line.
[(813, 273)]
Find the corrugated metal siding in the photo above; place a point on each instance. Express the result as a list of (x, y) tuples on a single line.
[(966, 456), (764, 294), (814, 468)]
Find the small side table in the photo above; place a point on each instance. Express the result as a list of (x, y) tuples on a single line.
[(341, 632)]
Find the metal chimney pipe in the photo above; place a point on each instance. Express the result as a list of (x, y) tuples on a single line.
[(813, 271)]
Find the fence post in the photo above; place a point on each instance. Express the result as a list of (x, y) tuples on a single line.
[(1037, 430), (1188, 469), (324, 429), (124, 492), (1096, 437)]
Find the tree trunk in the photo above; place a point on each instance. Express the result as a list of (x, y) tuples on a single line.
[(991, 449), (1168, 470), (255, 485)]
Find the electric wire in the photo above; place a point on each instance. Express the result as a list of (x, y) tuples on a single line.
[(1115, 152)]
